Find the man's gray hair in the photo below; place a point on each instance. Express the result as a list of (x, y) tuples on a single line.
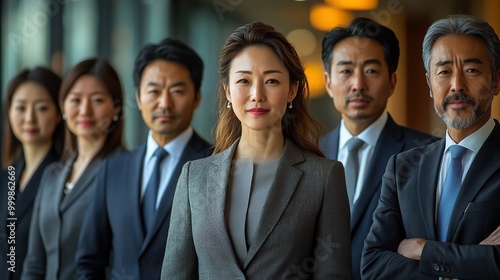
[(467, 26)]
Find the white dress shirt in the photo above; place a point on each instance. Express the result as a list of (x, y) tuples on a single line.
[(175, 148), (473, 143), (370, 136)]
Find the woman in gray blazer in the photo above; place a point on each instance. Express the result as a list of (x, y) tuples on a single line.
[(91, 99), (266, 205)]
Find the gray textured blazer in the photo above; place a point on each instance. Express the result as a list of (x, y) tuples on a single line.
[(303, 231), (56, 222)]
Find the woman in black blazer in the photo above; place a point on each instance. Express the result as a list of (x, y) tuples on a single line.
[(267, 204), (33, 138), (91, 99)]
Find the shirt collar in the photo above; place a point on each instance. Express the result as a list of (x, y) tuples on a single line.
[(174, 148), (369, 135), (475, 141)]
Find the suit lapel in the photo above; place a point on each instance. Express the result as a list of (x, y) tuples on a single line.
[(388, 144), (282, 189), (428, 170), (25, 198), (476, 177), (330, 143), (58, 187), (192, 151), (132, 183), (82, 184), (216, 191)]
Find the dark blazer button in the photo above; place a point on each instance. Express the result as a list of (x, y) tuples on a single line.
[(446, 268), (441, 267), (435, 267)]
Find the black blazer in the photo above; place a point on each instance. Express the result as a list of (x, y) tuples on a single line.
[(393, 139), (113, 222), (407, 210), (23, 209)]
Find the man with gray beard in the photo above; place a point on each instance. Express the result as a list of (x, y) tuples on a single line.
[(439, 212)]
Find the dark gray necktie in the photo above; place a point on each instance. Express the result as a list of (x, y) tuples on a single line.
[(449, 191), (151, 194), (352, 166)]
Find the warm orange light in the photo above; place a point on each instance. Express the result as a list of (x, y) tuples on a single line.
[(303, 40), (354, 4), (314, 73), (325, 17)]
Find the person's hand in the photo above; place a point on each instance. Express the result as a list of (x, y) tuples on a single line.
[(493, 239), (412, 248)]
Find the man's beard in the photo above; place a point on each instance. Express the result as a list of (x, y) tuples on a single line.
[(460, 122)]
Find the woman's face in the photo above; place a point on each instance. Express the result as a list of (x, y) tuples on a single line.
[(259, 89), (33, 114), (89, 108)]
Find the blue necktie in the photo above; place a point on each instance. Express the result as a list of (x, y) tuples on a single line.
[(151, 194), (352, 167), (449, 191)]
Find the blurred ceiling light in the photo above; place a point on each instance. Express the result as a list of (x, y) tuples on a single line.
[(314, 73), (303, 40), (325, 17), (354, 4)]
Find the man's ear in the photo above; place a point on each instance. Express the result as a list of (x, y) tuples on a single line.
[(429, 85), (393, 81), (496, 85), (138, 99), (326, 79), (197, 99)]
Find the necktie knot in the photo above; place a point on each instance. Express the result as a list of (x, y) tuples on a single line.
[(354, 144), (160, 154), (457, 151)]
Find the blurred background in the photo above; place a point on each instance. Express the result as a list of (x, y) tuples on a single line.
[(60, 33)]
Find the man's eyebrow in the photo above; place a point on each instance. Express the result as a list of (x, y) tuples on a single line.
[(473, 60), (153, 84), (177, 84), (344, 62), (467, 60), (372, 61)]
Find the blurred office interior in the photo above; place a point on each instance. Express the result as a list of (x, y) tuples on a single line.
[(60, 33)]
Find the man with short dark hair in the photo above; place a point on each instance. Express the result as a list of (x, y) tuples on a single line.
[(360, 75), (130, 213)]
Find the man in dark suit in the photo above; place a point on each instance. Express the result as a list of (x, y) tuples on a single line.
[(439, 210), (130, 215), (360, 76)]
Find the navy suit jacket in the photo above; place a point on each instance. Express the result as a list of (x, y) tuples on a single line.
[(113, 222), (23, 210), (407, 210), (392, 140)]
